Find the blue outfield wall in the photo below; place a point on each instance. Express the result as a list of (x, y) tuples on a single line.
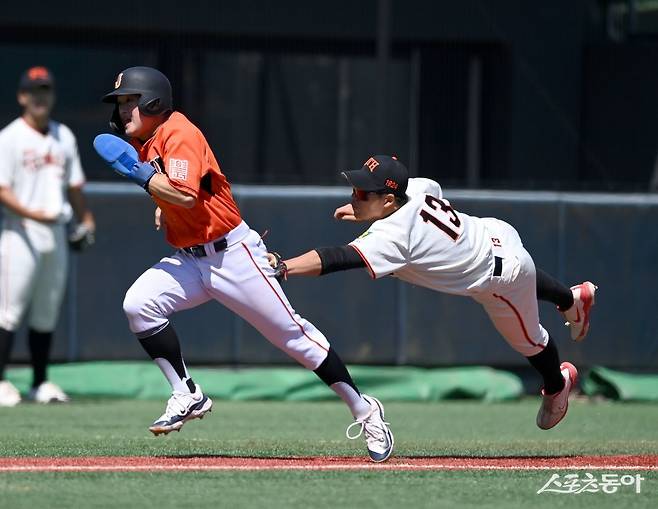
[(609, 239)]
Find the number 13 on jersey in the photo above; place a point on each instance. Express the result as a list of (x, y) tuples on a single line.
[(439, 212)]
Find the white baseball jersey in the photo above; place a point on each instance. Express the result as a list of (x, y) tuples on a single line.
[(421, 185), (428, 243), (38, 168)]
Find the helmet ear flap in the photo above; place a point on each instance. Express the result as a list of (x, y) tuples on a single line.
[(152, 107), (115, 121)]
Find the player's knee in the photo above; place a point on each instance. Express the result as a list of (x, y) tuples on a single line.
[(133, 305)]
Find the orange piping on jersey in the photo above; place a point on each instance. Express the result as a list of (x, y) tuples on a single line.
[(518, 317), (372, 272), (279, 297)]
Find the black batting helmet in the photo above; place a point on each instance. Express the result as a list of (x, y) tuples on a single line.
[(151, 85)]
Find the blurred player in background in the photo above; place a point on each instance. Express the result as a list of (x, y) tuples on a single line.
[(418, 237), (41, 183), (218, 257)]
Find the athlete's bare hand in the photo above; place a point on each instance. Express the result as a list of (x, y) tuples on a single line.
[(42, 216), (345, 213)]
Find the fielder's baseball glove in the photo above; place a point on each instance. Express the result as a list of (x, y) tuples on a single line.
[(279, 266), (81, 237)]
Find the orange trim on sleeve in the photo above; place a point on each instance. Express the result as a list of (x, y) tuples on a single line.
[(372, 272)]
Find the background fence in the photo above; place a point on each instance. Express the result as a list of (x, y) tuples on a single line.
[(606, 238)]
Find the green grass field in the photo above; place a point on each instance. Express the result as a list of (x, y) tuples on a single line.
[(268, 429)]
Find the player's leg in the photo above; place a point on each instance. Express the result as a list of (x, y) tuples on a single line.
[(512, 306), (17, 265), (47, 296), (171, 285), (574, 303), (243, 283)]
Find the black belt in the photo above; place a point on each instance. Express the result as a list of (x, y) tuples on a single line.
[(498, 266), (199, 250)]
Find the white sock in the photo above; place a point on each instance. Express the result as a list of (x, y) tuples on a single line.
[(177, 384), (358, 406)]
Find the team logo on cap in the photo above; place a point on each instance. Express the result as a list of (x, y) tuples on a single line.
[(117, 83), (38, 73), (371, 163), (391, 183)]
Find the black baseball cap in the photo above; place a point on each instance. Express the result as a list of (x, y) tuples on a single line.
[(380, 174), (36, 77)]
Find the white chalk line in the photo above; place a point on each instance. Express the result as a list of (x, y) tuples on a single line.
[(346, 466)]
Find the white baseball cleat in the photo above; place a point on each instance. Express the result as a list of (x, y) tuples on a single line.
[(554, 406), (48, 392), (181, 407), (577, 316), (379, 438), (9, 395)]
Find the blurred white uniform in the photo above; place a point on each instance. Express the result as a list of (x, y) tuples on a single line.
[(39, 168), (428, 243)]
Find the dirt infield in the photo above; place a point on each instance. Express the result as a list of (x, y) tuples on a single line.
[(170, 463)]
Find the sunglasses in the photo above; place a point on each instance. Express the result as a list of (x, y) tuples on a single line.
[(361, 195)]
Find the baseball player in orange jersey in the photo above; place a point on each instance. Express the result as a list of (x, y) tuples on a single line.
[(218, 256), (418, 237)]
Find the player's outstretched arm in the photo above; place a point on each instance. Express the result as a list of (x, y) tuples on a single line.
[(318, 262), (308, 264)]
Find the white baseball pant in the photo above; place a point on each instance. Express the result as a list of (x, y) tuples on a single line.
[(240, 278), (510, 299), (33, 267)]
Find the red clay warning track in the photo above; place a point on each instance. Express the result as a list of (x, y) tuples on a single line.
[(170, 463)]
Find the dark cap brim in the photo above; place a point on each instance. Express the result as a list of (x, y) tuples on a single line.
[(34, 85), (362, 179), (112, 96)]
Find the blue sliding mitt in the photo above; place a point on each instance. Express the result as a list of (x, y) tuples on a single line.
[(123, 158)]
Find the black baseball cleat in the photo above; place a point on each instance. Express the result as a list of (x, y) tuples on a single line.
[(181, 408)]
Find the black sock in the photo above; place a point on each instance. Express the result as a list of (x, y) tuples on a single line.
[(551, 290), (165, 344), (39, 344), (6, 343), (333, 370), (547, 362)]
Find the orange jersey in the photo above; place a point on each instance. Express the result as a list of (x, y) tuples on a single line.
[(179, 149)]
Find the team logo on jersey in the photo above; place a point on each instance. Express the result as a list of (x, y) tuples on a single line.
[(117, 83), (178, 168), (371, 163)]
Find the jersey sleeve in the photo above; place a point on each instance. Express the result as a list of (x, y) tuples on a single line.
[(183, 161), (6, 161), (417, 186), (384, 248), (76, 176)]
